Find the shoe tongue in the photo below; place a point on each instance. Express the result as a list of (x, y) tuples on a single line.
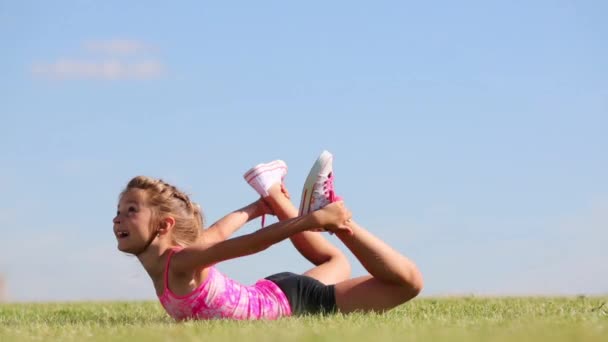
[(333, 197)]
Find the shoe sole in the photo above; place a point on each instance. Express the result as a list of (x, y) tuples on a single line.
[(261, 168), (311, 179)]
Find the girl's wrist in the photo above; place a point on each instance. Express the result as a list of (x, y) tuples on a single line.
[(251, 210), (316, 219), (255, 210)]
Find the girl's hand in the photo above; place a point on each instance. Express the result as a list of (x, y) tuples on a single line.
[(263, 208), (284, 191), (334, 217)]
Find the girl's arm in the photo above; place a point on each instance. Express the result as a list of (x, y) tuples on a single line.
[(333, 217), (229, 224)]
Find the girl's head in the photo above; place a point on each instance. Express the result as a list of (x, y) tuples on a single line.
[(150, 207)]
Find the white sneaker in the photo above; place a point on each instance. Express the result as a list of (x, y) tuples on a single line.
[(262, 176), (318, 189)]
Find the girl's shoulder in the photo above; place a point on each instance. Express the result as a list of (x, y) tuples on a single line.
[(180, 281), (184, 261)]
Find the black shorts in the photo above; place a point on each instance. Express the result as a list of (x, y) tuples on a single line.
[(306, 295)]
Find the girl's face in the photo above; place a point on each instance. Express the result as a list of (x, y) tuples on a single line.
[(132, 221)]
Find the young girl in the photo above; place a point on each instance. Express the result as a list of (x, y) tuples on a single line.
[(163, 228)]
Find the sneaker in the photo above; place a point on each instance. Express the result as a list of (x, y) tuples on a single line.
[(318, 189), (262, 176)]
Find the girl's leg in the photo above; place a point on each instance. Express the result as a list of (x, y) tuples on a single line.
[(332, 266), (393, 279)]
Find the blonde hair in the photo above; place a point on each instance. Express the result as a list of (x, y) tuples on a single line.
[(166, 200)]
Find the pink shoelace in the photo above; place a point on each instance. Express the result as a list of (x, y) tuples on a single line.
[(330, 192)]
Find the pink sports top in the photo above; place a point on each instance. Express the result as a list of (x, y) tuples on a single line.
[(221, 297)]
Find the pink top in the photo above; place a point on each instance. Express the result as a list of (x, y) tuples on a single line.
[(221, 297)]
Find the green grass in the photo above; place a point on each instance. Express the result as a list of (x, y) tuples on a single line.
[(426, 319)]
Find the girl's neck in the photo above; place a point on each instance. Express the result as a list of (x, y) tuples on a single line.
[(153, 259)]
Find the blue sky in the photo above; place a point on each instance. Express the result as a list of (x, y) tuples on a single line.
[(471, 135)]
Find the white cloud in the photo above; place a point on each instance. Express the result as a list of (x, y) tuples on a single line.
[(117, 46), (69, 69), (115, 62)]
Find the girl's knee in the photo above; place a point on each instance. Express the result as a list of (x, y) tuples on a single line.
[(417, 283), (410, 284), (405, 294), (413, 285)]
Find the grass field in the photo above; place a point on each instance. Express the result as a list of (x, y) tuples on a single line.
[(426, 319)]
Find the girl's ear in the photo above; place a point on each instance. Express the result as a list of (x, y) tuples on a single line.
[(166, 224)]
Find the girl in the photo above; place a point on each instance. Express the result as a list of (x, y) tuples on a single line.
[(163, 228)]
